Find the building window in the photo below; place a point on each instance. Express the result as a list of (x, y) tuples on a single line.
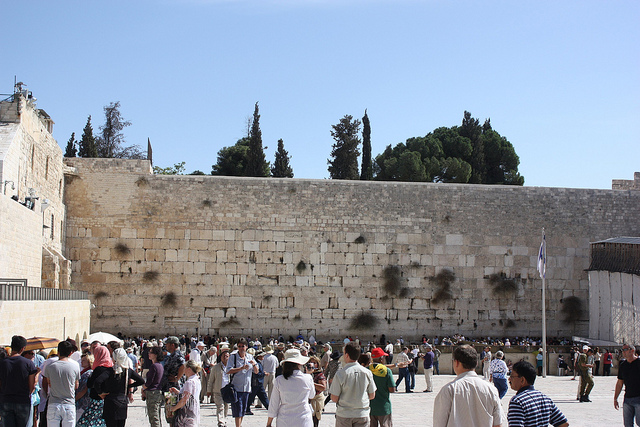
[(46, 169), (52, 222)]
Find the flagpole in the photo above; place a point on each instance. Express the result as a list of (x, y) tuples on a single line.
[(544, 308)]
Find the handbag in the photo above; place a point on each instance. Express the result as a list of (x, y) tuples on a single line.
[(228, 392)]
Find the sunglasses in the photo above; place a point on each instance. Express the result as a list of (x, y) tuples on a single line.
[(626, 348)]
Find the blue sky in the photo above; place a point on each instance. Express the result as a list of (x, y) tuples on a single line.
[(559, 79)]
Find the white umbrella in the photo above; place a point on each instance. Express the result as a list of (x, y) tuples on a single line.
[(103, 337)]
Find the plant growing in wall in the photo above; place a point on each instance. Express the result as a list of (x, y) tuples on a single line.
[(170, 299), (207, 203), (442, 282), (360, 239), (100, 294), (501, 284), (142, 181), (393, 282), (509, 323), (572, 309), (364, 321), (122, 249), (230, 322), (150, 276), (302, 266)]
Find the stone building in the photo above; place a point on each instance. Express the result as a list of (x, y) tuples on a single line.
[(32, 228)]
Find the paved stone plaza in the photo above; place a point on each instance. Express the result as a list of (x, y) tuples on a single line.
[(417, 409)]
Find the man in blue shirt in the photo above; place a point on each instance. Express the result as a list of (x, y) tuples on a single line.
[(428, 357), (529, 407)]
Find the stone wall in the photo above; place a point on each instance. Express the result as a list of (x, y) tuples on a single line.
[(172, 254), (627, 184), (55, 319), (20, 242)]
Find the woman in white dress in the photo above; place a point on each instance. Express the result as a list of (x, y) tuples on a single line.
[(189, 395), (292, 392)]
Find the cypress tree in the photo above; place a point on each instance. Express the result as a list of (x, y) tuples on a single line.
[(256, 163), (70, 149), (281, 167), (87, 143), (367, 170), (471, 129)]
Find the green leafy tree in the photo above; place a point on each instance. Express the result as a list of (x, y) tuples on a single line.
[(344, 162), (281, 167), (232, 161), (87, 144), (448, 155), (366, 167), (70, 149), (111, 142), (454, 169), (177, 169), (197, 172), (256, 164), (410, 167), (501, 160)]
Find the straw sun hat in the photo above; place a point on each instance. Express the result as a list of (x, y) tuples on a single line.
[(293, 355)]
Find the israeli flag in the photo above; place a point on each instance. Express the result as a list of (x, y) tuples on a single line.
[(542, 257)]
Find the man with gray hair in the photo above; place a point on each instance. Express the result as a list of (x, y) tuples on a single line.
[(427, 364), (468, 400)]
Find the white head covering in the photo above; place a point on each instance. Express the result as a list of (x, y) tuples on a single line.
[(120, 360), (120, 364)]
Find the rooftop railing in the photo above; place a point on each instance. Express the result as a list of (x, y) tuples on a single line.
[(30, 293)]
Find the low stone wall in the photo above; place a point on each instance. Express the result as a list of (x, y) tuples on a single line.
[(446, 361), (52, 319)]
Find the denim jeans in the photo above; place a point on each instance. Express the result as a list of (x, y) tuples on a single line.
[(631, 410), (403, 373), (15, 414), (61, 414)]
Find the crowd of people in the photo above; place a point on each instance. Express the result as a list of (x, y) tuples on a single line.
[(91, 386)]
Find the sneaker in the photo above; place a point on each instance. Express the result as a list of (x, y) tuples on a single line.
[(409, 391), (248, 412)]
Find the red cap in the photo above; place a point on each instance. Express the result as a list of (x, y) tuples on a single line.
[(378, 352)]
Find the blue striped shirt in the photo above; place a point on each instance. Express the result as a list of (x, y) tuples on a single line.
[(530, 408)]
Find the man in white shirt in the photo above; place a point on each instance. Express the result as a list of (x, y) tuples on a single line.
[(269, 364), (468, 400), (389, 350), (196, 353)]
